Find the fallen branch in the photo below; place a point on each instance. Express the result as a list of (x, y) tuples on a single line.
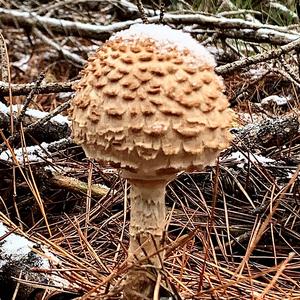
[(44, 88), (36, 153), (40, 125), (28, 99), (284, 11), (28, 19), (268, 133), (76, 59), (20, 258), (103, 32), (75, 185), (132, 8), (245, 62), (249, 35)]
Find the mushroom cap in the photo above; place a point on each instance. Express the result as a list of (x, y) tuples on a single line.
[(151, 105)]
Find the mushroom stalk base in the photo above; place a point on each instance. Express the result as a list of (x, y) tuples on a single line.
[(147, 224)]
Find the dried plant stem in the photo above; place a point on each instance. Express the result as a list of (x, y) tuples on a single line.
[(4, 68)]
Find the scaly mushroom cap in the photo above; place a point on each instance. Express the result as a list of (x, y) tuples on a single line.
[(151, 105)]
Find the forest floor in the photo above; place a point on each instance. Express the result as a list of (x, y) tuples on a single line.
[(234, 229)]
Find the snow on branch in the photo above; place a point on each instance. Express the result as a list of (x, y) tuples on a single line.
[(245, 62), (268, 133), (65, 27), (33, 113), (278, 34), (36, 153), (24, 259), (43, 126), (76, 59)]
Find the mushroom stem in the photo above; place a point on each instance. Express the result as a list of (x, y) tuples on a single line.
[(147, 225), (147, 221)]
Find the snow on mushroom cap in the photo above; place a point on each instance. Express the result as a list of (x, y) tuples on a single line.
[(165, 38)]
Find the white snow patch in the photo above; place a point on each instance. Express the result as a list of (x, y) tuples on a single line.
[(283, 8), (274, 99), (166, 38), (30, 153), (22, 64), (65, 95), (49, 260), (257, 72), (215, 51), (33, 113), (41, 114), (50, 169), (13, 246), (3, 108), (242, 159)]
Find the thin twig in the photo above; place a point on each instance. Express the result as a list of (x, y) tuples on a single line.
[(142, 11), (29, 98), (76, 59), (161, 11)]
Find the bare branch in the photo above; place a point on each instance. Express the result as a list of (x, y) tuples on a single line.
[(103, 32), (37, 124), (29, 98), (258, 58), (64, 27), (44, 88), (78, 60)]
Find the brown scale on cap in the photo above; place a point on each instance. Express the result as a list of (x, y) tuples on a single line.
[(148, 111)]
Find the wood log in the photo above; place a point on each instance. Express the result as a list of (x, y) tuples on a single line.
[(268, 133), (20, 258), (55, 129)]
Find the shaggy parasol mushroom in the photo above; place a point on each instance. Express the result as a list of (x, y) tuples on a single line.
[(150, 104)]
